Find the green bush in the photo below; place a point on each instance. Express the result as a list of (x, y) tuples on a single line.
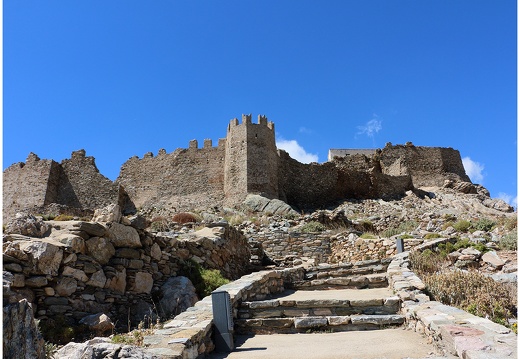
[(483, 224), (462, 225), (312, 227), (368, 235), (432, 235), (204, 280), (509, 241)]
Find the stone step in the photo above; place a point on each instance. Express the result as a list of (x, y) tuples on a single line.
[(322, 303), (332, 323), (374, 280)]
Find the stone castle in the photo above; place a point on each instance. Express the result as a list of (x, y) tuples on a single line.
[(245, 162)]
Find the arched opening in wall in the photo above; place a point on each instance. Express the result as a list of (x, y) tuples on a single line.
[(256, 135)]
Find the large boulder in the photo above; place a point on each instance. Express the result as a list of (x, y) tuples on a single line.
[(27, 225), (44, 256), (21, 339), (101, 348), (176, 295), (258, 203)]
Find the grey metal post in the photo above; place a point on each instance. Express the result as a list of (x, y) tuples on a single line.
[(400, 244), (222, 321)]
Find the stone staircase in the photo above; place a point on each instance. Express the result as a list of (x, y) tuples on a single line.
[(330, 298)]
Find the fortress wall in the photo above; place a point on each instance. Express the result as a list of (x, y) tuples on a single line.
[(428, 166), (82, 186), (183, 180), (307, 186), (30, 184)]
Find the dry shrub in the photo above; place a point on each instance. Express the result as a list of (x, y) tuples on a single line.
[(184, 217), (426, 262), (474, 292), (161, 224)]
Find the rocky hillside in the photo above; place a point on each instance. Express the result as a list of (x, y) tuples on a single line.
[(84, 269)]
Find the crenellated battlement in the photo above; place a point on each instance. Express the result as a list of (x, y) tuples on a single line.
[(247, 120)]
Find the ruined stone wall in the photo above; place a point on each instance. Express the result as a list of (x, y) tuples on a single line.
[(184, 180), (428, 166), (29, 184), (312, 186), (307, 186), (82, 186)]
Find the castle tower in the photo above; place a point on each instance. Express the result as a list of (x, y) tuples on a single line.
[(251, 160)]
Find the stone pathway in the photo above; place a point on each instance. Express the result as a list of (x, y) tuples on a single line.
[(387, 343)]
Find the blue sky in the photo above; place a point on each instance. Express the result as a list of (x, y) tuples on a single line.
[(122, 78)]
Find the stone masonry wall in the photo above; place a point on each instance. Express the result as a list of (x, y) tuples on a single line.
[(286, 248)]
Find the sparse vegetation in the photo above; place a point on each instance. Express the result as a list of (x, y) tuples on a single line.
[(365, 226), (483, 224), (471, 291), (161, 224), (50, 350), (368, 235), (462, 225), (432, 235), (64, 217), (509, 241), (312, 227)]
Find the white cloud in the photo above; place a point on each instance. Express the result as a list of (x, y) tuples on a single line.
[(370, 128), (513, 201), (305, 130), (473, 170), (296, 151)]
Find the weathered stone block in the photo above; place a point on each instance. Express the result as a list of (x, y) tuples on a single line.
[(36, 282), (143, 282), (101, 249), (124, 236), (66, 286), (97, 279), (310, 322)]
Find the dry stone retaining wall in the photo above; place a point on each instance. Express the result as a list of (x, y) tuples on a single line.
[(85, 268)]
